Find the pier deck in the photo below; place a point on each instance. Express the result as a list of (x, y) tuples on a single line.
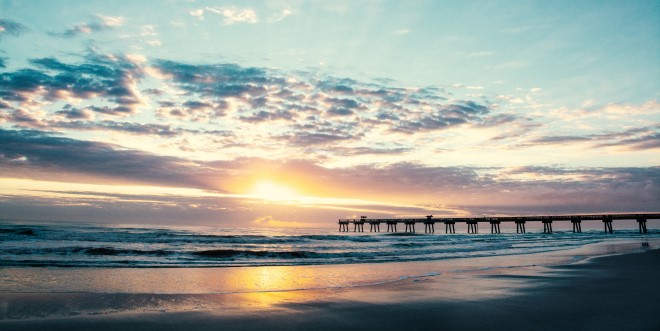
[(473, 222)]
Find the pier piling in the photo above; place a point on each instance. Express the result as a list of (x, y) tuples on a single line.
[(577, 225), (607, 221), (410, 226), (495, 227), (391, 226), (429, 224), (520, 226), (449, 227), (547, 226), (642, 225), (473, 226)]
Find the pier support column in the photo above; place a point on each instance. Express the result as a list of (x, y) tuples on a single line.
[(607, 222), (547, 226), (358, 227), (410, 226), (391, 226), (577, 225), (374, 226), (449, 227), (473, 227), (343, 226), (429, 225), (520, 227), (642, 225), (495, 227)]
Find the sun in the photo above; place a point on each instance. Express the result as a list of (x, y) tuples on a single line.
[(273, 191)]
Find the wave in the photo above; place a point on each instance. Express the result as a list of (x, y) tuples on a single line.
[(231, 253), (118, 251), (19, 231), (409, 244), (98, 246)]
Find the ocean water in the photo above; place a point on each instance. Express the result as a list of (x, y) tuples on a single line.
[(83, 245)]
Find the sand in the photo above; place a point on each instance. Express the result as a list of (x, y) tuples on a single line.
[(619, 292)]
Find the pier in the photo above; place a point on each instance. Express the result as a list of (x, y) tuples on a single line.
[(473, 222)]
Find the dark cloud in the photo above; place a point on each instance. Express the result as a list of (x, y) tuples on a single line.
[(12, 28), (153, 91), (259, 95), (132, 128), (651, 141), (340, 111), (196, 105), (219, 80), (24, 118), (637, 139), (108, 77), (498, 120), (38, 154), (369, 151), (75, 114), (558, 139), (633, 139), (262, 116), (193, 110), (315, 138), (3, 62), (322, 133), (343, 103), (445, 116)]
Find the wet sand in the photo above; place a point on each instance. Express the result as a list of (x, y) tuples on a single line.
[(619, 292)]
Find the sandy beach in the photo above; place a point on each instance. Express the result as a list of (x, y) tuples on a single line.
[(613, 292)]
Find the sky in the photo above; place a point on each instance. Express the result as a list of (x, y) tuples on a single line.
[(297, 113)]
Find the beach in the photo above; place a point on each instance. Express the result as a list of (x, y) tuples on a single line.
[(610, 286)]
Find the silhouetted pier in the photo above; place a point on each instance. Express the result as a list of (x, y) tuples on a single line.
[(473, 222)]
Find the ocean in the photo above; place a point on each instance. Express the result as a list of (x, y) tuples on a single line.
[(57, 244)]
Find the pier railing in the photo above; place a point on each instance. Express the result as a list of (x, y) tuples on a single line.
[(473, 222)]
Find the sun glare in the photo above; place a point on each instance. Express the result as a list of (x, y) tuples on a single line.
[(273, 191)]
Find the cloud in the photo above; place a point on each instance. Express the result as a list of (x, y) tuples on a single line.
[(353, 151), (402, 32), (558, 139), (100, 23), (263, 116), (43, 155), (639, 138), (11, 28), (305, 110), (111, 78), (76, 114), (445, 116), (230, 15)]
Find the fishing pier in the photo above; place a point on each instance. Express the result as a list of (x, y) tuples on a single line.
[(473, 222)]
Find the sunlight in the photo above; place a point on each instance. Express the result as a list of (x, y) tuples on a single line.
[(272, 191)]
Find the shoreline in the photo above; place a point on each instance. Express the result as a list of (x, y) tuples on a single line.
[(494, 294), (256, 279)]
